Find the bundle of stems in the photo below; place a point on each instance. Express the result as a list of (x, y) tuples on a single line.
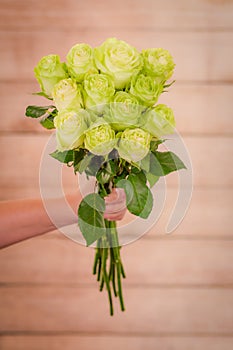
[(108, 265)]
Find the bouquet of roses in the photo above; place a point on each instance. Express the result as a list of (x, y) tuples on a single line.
[(109, 126)]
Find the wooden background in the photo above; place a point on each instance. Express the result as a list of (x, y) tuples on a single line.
[(179, 288)]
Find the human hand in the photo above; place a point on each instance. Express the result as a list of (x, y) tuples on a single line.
[(115, 205)]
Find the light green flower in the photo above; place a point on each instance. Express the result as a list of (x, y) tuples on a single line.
[(70, 127), (124, 111), (80, 61), (158, 63), (98, 90), (67, 95), (134, 144), (49, 71), (100, 139), (146, 89), (159, 121), (118, 59)]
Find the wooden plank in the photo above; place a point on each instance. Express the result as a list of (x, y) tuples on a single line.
[(192, 104), (210, 160), (148, 310), (165, 262), (178, 15), (195, 111), (209, 215), (72, 342), (14, 113), (198, 56)]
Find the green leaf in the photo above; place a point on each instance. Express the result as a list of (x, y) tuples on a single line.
[(36, 111), (142, 176), (152, 179), (48, 122), (63, 157), (41, 93), (94, 165), (111, 167), (155, 144), (170, 84), (138, 196), (127, 186), (91, 217), (145, 163), (78, 156), (163, 163), (82, 166), (135, 169)]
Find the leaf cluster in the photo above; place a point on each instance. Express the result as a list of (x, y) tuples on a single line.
[(45, 113)]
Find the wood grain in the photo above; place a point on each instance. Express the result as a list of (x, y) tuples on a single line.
[(152, 14), (149, 311), (148, 262), (100, 342), (198, 56), (188, 102)]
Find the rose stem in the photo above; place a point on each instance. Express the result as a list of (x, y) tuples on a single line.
[(105, 277), (112, 272), (103, 257), (122, 268), (122, 271), (97, 257), (112, 260), (118, 263), (100, 263), (119, 287)]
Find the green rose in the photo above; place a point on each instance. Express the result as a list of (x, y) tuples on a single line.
[(134, 144), (98, 90), (124, 111), (159, 121), (146, 89), (80, 61), (49, 71), (118, 59), (158, 63), (100, 139), (70, 127), (67, 95)]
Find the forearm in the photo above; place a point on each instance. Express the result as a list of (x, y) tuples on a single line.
[(27, 218), (23, 219)]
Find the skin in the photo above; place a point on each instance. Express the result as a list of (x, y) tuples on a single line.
[(27, 218)]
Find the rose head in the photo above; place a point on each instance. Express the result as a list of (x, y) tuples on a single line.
[(70, 127), (80, 61), (119, 60), (158, 63), (100, 139), (124, 111), (49, 71), (67, 95), (98, 90), (146, 89), (159, 121), (134, 144)]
